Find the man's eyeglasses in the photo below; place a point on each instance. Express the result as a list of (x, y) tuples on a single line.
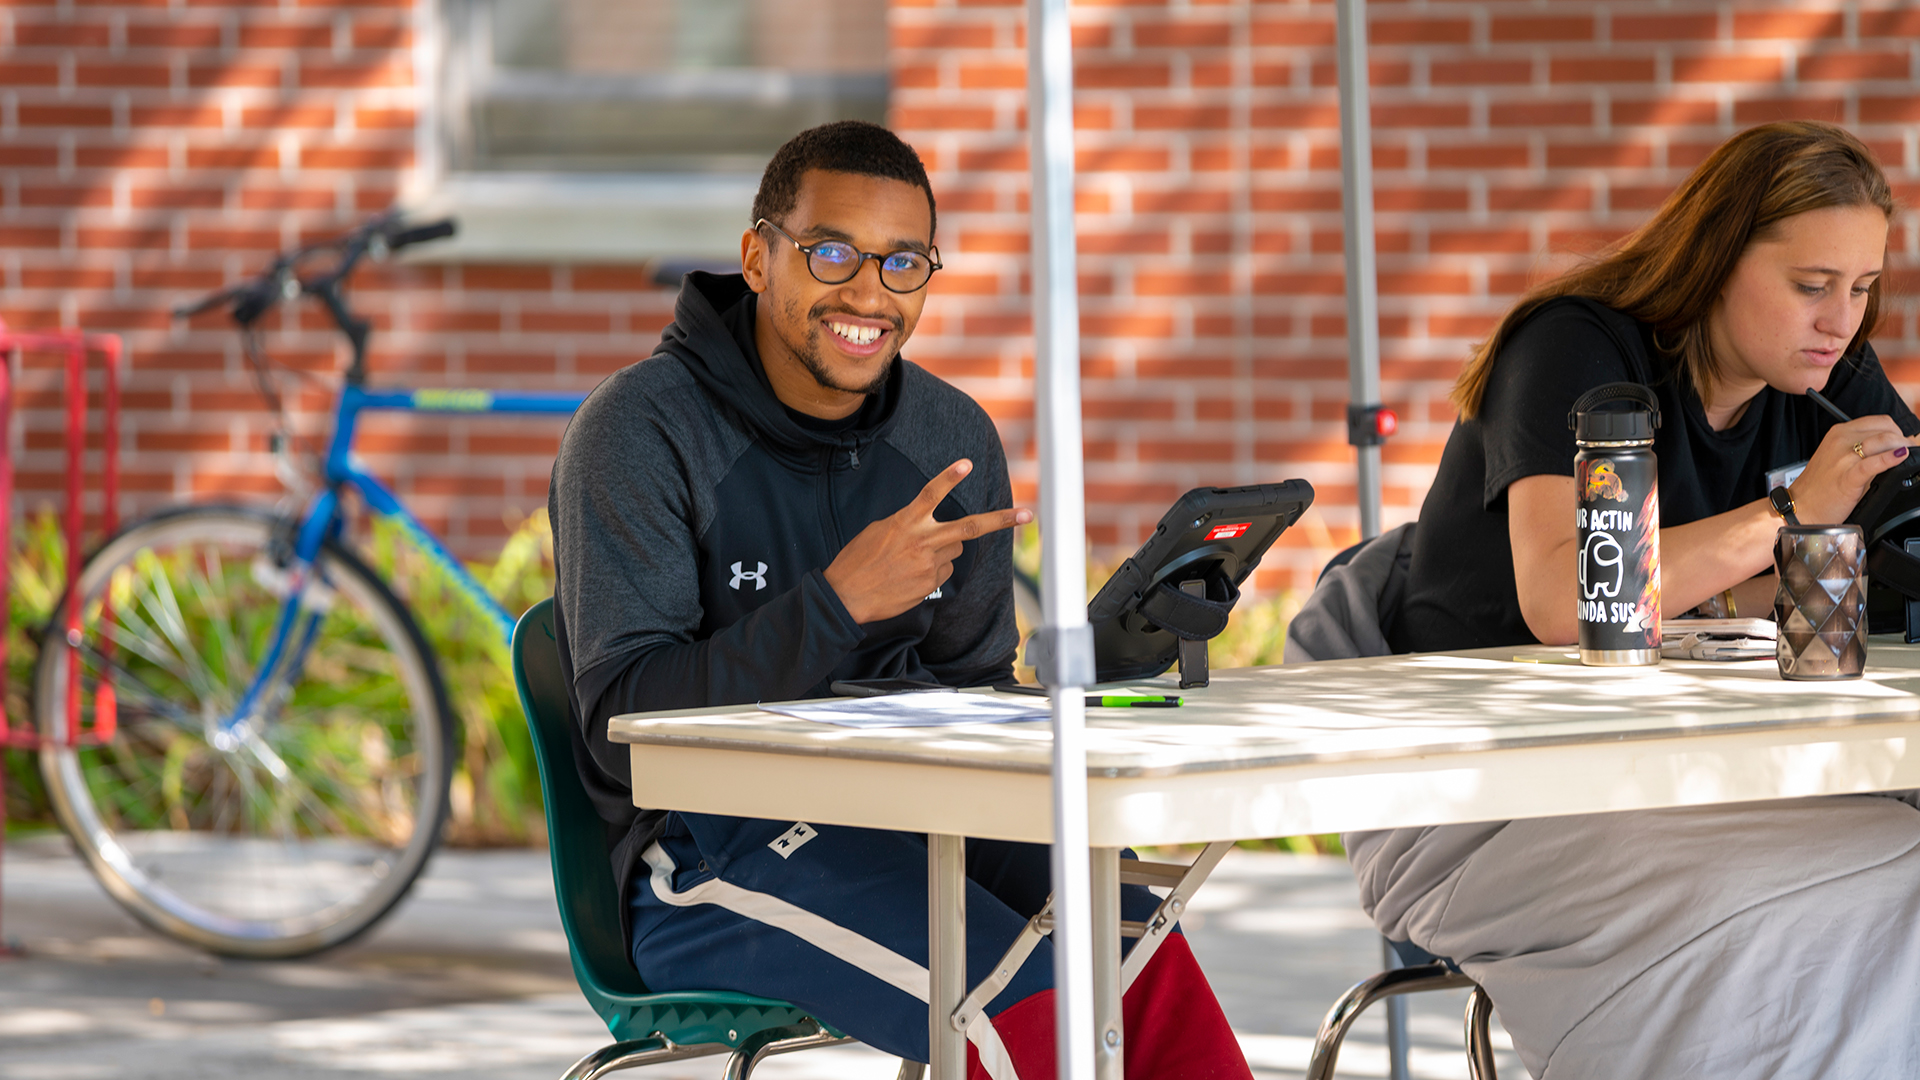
[(832, 262)]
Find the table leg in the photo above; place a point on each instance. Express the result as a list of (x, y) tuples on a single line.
[(1110, 1049), (946, 953)]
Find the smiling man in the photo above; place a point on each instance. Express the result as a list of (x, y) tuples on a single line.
[(775, 500)]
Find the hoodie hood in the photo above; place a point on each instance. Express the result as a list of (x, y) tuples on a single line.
[(712, 336)]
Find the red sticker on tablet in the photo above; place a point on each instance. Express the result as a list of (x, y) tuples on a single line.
[(1229, 532)]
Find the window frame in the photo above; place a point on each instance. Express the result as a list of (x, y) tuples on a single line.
[(558, 215)]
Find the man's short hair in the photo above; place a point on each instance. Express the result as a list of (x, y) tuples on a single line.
[(846, 146)]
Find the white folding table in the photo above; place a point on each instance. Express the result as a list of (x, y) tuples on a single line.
[(1279, 751)]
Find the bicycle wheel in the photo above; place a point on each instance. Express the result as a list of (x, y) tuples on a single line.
[(280, 835)]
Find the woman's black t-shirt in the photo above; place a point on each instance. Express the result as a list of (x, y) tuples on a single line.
[(1461, 592)]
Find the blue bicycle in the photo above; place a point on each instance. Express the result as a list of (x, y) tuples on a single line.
[(282, 741)]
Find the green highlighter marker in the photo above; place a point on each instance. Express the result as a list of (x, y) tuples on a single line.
[(1133, 701), (1103, 701)]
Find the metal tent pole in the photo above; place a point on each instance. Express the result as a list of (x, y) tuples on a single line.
[(1063, 513), (1363, 289), (1363, 339)]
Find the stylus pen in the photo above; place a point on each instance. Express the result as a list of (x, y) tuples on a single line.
[(1829, 406)]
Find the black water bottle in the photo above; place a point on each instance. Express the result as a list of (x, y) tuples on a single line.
[(1618, 524)]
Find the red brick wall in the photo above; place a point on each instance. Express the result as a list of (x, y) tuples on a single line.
[(1507, 135), (151, 150)]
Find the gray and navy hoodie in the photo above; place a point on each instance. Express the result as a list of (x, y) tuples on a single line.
[(694, 516)]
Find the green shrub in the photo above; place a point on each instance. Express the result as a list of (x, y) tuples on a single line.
[(496, 786)]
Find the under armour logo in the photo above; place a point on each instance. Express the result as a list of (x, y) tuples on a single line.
[(789, 842), (758, 576)]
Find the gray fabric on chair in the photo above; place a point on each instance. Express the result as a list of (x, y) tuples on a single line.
[(1354, 602)]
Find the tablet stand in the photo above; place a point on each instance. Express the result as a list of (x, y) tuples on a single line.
[(1144, 612), (1193, 654)]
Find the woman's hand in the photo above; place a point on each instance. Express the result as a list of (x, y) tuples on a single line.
[(1836, 477), (1697, 560), (1700, 558)]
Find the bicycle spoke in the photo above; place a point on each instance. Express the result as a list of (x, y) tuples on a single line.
[(268, 760), (318, 814), (219, 615), (171, 646), (137, 634), (256, 803), (126, 680), (171, 623), (321, 778), (187, 644)]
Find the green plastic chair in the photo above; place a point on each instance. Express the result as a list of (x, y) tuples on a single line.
[(649, 1027)]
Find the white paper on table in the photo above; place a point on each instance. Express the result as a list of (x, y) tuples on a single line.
[(922, 708)]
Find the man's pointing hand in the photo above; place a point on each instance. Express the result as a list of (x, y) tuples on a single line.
[(896, 562)]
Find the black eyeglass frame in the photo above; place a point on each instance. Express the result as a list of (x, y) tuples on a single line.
[(932, 255)]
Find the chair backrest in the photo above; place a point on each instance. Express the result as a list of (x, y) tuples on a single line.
[(576, 836)]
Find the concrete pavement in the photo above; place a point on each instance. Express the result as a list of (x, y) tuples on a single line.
[(470, 979)]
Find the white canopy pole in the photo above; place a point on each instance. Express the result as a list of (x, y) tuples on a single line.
[(1356, 201), (1363, 334), (1063, 517)]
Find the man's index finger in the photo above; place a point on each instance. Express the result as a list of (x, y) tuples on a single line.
[(975, 526), (938, 487)]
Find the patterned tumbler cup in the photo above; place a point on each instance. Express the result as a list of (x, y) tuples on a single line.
[(1821, 602)]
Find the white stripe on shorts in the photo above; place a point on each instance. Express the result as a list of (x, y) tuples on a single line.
[(869, 956)]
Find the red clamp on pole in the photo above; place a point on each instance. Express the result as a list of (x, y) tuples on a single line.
[(1370, 425)]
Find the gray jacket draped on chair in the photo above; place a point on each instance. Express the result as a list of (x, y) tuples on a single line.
[(1354, 602)]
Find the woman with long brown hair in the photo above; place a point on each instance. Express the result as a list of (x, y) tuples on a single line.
[(1758, 280), (1778, 939)]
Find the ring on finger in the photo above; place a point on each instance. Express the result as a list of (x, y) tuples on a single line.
[(1860, 451)]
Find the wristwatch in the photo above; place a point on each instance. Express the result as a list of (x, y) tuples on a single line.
[(1782, 501)]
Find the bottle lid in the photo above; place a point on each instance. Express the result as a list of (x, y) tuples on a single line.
[(1615, 412)]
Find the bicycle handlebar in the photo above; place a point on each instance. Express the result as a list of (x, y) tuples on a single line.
[(421, 233), (250, 299)]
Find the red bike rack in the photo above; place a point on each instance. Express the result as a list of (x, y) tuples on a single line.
[(76, 346)]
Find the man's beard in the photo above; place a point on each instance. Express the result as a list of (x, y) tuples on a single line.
[(810, 352), (810, 357)]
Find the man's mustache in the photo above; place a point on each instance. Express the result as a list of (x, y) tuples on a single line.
[(821, 311)]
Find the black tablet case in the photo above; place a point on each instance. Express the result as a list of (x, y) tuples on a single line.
[(1216, 535)]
